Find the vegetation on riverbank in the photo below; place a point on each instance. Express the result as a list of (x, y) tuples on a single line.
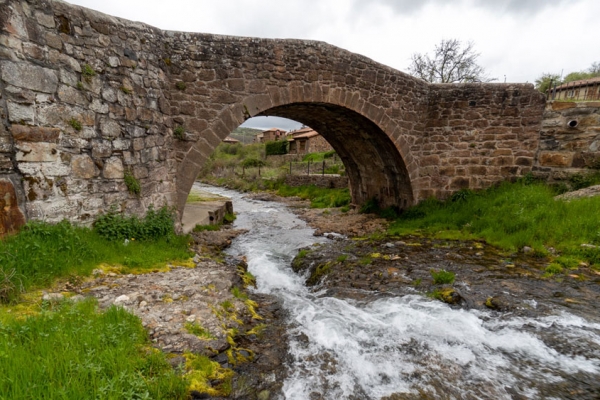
[(512, 216), (59, 348), (72, 351), (42, 253), (246, 168)]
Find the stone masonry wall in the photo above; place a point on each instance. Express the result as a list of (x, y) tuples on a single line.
[(477, 135), (569, 140), (81, 106), (332, 182)]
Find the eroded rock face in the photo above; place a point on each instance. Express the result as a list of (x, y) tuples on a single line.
[(11, 216)]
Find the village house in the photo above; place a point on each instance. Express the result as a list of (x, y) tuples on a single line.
[(307, 140), (587, 89), (230, 140), (270, 135)]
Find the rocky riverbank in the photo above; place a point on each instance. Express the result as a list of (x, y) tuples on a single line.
[(202, 307), (464, 274)]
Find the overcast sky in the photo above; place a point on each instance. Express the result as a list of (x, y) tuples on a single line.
[(518, 39)]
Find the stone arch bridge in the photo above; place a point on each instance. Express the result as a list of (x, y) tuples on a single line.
[(88, 99)]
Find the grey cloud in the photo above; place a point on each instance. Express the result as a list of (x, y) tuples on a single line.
[(506, 6)]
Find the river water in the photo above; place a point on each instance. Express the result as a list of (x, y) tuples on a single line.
[(379, 346)]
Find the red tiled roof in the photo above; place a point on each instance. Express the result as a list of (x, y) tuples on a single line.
[(307, 135), (583, 82)]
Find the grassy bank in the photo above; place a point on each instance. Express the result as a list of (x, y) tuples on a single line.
[(42, 253), (75, 352), (511, 216), (69, 350)]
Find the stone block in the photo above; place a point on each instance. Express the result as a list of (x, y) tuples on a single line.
[(113, 168), (20, 113), (37, 152), (83, 167), (25, 133), (555, 159), (110, 128), (29, 76), (101, 149), (71, 95), (559, 105), (11, 216)]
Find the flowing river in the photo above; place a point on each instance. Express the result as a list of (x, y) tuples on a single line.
[(382, 346)]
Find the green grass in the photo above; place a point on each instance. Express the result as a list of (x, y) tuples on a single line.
[(42, 253), (203, 228), (316, 157), (319, 197), (198, 330), (442, 277), (76, 352), (511, 216)]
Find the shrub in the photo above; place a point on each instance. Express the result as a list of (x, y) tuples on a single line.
[(315, 157), (276, 147), (155, 225), (442, 277), (253, 163)]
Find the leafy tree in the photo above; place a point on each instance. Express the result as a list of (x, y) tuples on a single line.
[(451, 63), (544, 82)]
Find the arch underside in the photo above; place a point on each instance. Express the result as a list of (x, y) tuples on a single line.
[(374, 166)]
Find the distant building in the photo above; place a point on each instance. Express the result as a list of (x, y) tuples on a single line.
[(230, 140), (269, 135), (307, 140), (587, 89)]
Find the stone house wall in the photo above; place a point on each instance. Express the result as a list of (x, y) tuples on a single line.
[(569, 140)]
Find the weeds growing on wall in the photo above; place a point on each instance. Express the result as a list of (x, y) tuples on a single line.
[(73, 351)]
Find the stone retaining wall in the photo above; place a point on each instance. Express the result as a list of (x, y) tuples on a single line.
[(569, 140), (324, 181)]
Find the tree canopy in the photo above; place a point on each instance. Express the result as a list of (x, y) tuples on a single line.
[(451, 62), (546, 79)]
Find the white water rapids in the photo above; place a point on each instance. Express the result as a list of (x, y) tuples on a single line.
[(349, 349)]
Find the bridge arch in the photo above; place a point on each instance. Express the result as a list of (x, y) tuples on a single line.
[(69, 138), (377, 160)]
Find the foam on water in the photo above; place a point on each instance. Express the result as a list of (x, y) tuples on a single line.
[(347, 349)]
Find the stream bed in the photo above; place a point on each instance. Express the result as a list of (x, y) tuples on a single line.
[(371, 341)]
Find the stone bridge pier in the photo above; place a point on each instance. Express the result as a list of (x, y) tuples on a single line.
[(90, 102)]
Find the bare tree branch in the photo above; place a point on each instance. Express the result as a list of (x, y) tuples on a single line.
[(451, 63)]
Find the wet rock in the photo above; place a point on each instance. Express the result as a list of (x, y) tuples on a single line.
[(499, 303), (53, 297), (527, 249), (448, 295)]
